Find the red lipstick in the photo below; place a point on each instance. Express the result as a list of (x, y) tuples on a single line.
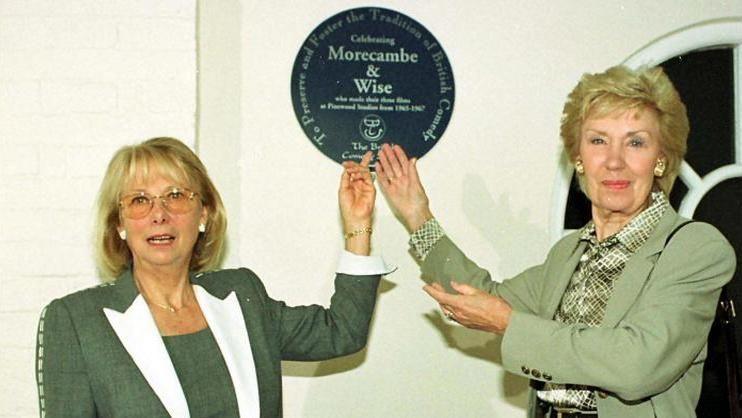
[(616, 184)]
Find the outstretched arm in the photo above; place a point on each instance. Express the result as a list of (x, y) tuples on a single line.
[(402, 188)]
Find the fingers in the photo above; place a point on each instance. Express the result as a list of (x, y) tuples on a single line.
[(450, 304), (393, 163), (363, 164), (395, 160), (464, 289), (364, 171), (384, 170), (383, 166), (380, 173), (360, 171), (448, 312), (345, 178), (412, 171), (438, 286), (366, 159), (390, 157), (353, 174), (439, 294), (401, 158)]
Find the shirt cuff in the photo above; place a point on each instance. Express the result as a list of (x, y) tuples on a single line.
[(362, 265)]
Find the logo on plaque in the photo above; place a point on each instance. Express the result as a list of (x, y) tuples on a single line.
[(372, 128), (370, 75)]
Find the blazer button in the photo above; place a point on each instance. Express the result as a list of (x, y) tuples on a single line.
[(525, 370), (535, 373), (546, 377), (602, 395)]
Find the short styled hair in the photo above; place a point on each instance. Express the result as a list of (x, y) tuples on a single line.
[(157, 156), (621, 89)]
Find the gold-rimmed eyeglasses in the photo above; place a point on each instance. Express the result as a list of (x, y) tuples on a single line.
[(176, 200)]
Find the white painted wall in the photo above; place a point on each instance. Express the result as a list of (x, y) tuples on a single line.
[(79, 78), (490, 179)]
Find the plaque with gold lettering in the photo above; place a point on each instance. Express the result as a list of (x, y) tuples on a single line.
[(370, 75)]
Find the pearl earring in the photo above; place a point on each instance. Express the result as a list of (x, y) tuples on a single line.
[(122, 234), (201, 227), (659, 168), (579, 168)]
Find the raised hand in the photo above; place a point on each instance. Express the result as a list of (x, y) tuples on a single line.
[(401, 186), (356, 199), (471, 307)]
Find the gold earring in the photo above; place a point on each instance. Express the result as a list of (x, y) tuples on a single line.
[(659, 168), (579, 168)]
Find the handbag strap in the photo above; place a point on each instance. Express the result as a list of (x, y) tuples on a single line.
[(725, 313), (674, 231)]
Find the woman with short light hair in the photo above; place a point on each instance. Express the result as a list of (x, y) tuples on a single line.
[(614, 322), (173, 336)]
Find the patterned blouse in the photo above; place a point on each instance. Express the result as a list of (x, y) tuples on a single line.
[(590, 288)]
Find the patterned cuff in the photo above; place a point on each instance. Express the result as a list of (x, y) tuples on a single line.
[(424, 239)]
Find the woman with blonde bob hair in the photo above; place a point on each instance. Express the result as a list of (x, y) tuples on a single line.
[(614, 322), (619, 89), (175, 160), (172, 336)]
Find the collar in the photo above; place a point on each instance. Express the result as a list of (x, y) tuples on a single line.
[(635, 233), (132, 321)]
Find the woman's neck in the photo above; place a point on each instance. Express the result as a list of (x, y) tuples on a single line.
[(608, 223), (168, 287)]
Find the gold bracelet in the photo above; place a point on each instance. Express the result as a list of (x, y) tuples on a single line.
[(357, 232)]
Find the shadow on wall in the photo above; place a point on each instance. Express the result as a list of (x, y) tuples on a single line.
[(482, 346), (509, 233), (511, 236)]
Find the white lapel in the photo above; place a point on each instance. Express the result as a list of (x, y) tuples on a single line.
[(228, 326), (138, 333)]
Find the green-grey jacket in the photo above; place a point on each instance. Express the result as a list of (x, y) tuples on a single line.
[(646, 359), (99, 353)]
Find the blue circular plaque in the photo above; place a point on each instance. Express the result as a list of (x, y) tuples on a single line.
[(370, 75)]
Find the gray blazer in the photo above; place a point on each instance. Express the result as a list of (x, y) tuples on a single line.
[(646, 359), (99, 353)]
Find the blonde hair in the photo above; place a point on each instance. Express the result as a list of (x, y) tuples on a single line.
[(620, 89), (163, 156)]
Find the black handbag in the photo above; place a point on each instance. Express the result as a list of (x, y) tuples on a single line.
[(725, 314), (720, 389)]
